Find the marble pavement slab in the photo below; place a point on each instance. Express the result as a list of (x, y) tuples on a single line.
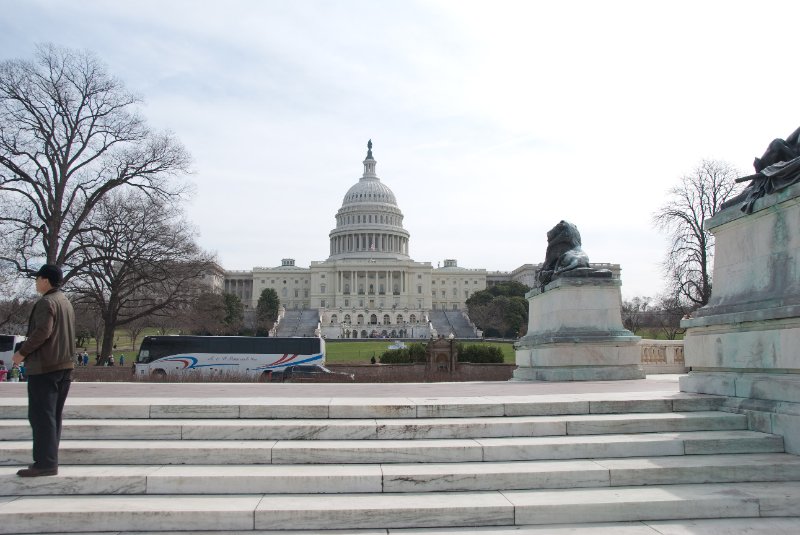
[(78, 480), (716, 442), (470, 427), (703, 469), (375, 451), (728, 526), (259, 429), (284, 408), (654, 422), (88, 452), (384, 510), (579, 447), (616, 504), (452, 477), (265, 479), (372, 408), (456, 407), (46, 514)]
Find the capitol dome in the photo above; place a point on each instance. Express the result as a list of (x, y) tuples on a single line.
[(369, 223)]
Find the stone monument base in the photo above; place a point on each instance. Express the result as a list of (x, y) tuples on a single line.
[(744, 343), (575, 333)]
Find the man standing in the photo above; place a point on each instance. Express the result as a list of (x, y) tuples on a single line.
[(47, 354)]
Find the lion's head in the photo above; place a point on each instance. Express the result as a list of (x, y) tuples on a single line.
[(564, 233)]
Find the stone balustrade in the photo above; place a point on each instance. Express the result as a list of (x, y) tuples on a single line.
[(662, 356)]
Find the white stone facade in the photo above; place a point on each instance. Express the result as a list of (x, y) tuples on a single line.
[(369, 284)]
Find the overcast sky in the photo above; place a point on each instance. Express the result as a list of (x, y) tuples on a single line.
[(491, 121)]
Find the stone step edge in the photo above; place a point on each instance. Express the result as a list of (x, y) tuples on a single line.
[(388, 429), (698, 526), (244, 452), (368, 511), (374, 407), (404, 478)]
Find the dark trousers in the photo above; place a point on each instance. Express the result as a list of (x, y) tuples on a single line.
[(47, 393)]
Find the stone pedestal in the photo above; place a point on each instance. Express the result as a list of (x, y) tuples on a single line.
[(745, 343), (575, 333)]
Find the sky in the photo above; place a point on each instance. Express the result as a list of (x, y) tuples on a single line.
[(491, 121)]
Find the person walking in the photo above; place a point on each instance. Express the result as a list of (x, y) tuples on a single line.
[(47, 354)]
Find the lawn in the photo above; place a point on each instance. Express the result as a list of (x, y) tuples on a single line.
[(340, 351)]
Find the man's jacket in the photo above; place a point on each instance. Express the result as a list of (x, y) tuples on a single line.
[(51, 335)]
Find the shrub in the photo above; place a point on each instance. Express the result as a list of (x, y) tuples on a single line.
[(413, 353), (480, 354)]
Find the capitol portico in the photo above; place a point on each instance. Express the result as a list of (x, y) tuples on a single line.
[(369, 285)]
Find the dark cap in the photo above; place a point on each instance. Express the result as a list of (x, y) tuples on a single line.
[(52, 273)]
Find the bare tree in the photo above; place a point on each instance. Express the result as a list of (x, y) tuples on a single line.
[(634, 313), (668, 314), (136, 327), (207, 315), (697, 197), (88, 325), (16, 300), (139, 258), (70, 134)]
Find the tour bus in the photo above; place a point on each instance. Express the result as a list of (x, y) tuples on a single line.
[(222, 355), (7, 344)]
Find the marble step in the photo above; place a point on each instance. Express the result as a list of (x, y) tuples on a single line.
[(401, 478), (234, 452), (692, 526), (272, 407), (383, 429), (104, 513)]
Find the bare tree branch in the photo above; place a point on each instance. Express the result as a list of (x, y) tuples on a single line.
[(70, 134), (688, 263)]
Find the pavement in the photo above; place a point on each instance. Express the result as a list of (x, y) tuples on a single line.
[(653, 383)]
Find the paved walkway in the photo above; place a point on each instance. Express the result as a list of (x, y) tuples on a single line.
[(653, 383)]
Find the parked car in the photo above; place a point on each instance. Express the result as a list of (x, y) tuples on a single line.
[(305, 373)]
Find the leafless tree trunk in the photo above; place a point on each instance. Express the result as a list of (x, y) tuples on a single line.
[(139, 259), (698, 197), (70, 134)]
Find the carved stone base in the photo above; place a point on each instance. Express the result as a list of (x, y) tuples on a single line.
[(744, 343), (575, 333)]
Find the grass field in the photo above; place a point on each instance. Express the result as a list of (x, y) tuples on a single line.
[(362, 351)]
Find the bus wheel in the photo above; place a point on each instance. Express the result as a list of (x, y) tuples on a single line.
[(159, 374), (265, 377)]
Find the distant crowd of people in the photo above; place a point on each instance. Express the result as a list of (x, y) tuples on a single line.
[(13, 375), (82, 359)]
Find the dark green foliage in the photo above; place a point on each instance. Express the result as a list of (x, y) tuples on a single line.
[(234, 313), (267, 311), (413, 353), (500, 311), (479, 354)]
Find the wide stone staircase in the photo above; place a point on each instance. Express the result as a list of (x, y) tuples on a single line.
[(298, 323), (462, 327), (385, 465), (451, 321)]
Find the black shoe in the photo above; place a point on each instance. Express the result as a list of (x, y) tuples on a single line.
[(37, 472)]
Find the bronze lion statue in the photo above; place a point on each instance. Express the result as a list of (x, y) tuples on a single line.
[(564, 252)]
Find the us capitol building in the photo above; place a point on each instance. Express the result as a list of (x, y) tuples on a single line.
[(369, 285)]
